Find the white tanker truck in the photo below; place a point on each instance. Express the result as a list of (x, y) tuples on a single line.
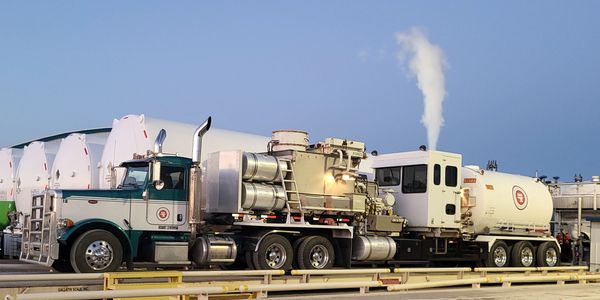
[(293, 206)]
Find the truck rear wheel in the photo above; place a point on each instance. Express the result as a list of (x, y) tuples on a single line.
[(315, 252), (523, 254), (548, 255), (499, 255), (96, 251), (274, 253)]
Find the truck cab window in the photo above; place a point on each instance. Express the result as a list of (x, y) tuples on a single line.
[(451, 176), (173, 177), (387, 176), (414, 179), (135, 176)]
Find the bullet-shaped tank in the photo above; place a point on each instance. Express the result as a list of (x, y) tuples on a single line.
[(76, 163), (135, 134), (33, 173), (497, 202), (9, 159)]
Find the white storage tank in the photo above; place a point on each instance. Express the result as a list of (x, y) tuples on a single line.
[(9, 159), (33, 173), (76, 163), (501, 202), (135, 134)]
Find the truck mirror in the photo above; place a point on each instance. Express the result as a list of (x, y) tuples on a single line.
[(159, 184), (155, 171)]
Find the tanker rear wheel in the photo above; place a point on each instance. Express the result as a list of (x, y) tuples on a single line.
[(499, 255), (548, 255), (523, 254)]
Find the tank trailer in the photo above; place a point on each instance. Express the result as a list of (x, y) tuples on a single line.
[(294, 206)]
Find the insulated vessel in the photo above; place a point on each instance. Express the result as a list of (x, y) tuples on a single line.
[(133, 135), (77, 160), (9, 159), (33, 173)]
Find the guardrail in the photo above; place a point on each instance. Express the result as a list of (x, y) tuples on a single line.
[(460, 272), (328, 279), (200, 292)]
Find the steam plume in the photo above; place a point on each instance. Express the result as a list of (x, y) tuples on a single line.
[(427, 63)]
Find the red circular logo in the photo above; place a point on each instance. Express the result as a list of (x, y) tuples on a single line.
[(519, 197), (162, 213)]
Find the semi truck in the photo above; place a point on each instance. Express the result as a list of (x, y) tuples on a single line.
[(293, 206)]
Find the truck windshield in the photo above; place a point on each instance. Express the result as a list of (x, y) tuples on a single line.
[(135, 176)]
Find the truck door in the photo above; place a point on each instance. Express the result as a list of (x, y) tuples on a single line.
[(445, 191), (167, 206)]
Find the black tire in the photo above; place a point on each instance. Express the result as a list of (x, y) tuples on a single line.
[(499, 255), (295, 246), (548, 255), (108, 258), (248, 257), (315, 252), (523, 254), (274, 253), (62, 266)]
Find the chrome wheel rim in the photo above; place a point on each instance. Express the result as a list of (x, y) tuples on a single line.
[(99, 255), (500, 257), (319, 256), (275, 256), (526, 256), (551, 257)]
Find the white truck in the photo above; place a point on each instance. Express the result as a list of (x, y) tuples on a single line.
[(296, 205)]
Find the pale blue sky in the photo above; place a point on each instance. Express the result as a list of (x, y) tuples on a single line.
[(522, 84)]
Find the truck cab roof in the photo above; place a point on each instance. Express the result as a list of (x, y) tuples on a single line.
[(165, 159)]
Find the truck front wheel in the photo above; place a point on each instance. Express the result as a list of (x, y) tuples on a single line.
[(96, 251)]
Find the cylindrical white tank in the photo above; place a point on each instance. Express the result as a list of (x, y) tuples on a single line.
[(76, 163), (135, 134), (499, 200), (9, 159), (33, 173)]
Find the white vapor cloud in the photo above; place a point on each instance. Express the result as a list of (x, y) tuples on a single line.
[(427, 63)]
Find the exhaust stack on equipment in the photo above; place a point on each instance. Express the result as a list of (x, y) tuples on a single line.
[(160, 139), (195, 187)]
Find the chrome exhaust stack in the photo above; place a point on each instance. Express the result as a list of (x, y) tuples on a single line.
[(195, 198), (158, 142)]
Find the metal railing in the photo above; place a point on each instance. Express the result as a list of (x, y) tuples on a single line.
[(260, 282)]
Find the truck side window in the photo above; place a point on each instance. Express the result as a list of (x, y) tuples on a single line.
[(172, 177), (437, 174), (451, 176), (387, 176), (414, 179)]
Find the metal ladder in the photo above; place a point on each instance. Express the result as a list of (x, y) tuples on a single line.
[(36, 231), (292, 197)]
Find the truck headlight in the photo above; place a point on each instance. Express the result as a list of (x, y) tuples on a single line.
[(65, 223)]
